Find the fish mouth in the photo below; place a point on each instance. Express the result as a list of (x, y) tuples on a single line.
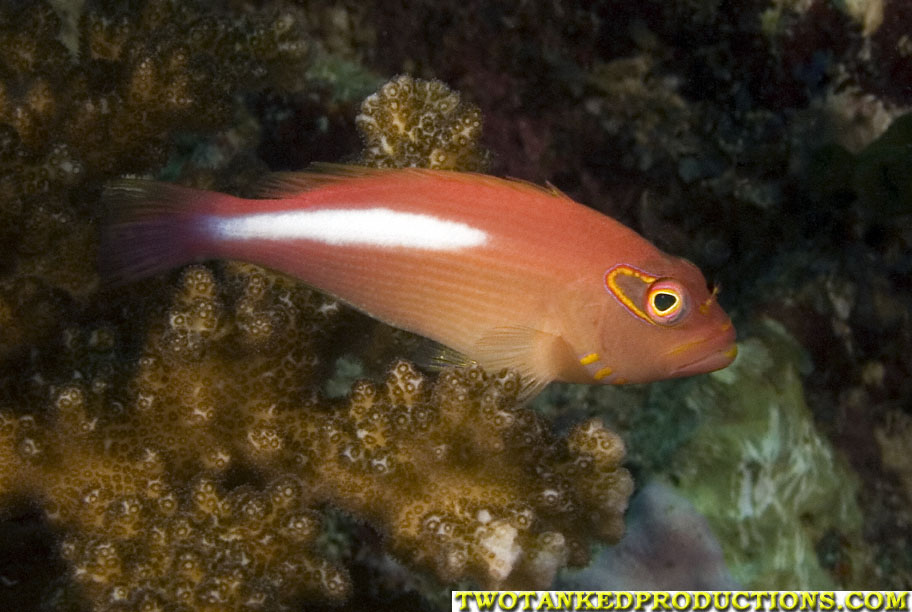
[(712, 353), (708, 363)]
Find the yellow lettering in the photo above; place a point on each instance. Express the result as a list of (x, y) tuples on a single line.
[(809, 600), (485, 599), (678, 603), (661, 601), (525, 595), (897, 601), (760, 596), (583, 602), (565, 600), (702, 600), (502, 600)]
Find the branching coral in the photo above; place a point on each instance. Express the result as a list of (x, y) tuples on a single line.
[(136, 486), (142, 73), (458, 477), (644, 110), (488, 493), (420, 123), (192, 467)]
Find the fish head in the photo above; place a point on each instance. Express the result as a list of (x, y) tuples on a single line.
[(661, 321)]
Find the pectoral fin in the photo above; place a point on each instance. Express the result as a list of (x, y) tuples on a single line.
[(434, 356), (530, 352)]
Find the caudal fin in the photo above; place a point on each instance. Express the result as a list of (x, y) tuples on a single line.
[(151, 227)]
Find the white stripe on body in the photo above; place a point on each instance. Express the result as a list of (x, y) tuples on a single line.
[(379, 227)]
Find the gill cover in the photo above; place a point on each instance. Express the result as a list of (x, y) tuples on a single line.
[(654, 300)]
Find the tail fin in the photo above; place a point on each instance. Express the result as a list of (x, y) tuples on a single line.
[(151, 227)]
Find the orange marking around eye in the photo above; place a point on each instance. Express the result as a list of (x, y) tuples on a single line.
[(590, 358), (626, 302), (602, 373)]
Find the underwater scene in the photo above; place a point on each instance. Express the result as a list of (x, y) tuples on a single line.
[(190, 430)]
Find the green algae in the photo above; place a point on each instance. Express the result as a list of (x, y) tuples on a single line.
[(771, 486)]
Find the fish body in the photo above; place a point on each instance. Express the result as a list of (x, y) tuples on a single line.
[(507, 273)]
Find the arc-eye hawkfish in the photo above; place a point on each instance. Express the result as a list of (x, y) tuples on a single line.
[(502, 272)]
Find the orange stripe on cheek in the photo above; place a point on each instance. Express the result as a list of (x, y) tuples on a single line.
[(590, 358), (687, 346), (606, 371)]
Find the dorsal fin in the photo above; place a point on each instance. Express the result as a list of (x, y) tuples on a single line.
[(529, 187), (557, 192), (320, 174), (285, 184)]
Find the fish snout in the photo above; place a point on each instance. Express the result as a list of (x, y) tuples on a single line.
[(709, 354)]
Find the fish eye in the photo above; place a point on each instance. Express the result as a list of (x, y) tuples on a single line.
[(666, 301), (663, 301)]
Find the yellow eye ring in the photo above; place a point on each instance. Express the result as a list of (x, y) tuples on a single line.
[(666, 302)]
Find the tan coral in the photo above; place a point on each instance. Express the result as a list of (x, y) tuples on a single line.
[(468, 499), (456, 475), (71, 120), (410, 122), (194, 467)]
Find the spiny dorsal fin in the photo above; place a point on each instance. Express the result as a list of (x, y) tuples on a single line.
[(557, 192), (285, 184)]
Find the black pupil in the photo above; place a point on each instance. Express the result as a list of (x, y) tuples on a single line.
[(664, 301)]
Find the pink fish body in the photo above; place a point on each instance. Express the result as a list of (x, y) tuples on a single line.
[(504, 272)]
